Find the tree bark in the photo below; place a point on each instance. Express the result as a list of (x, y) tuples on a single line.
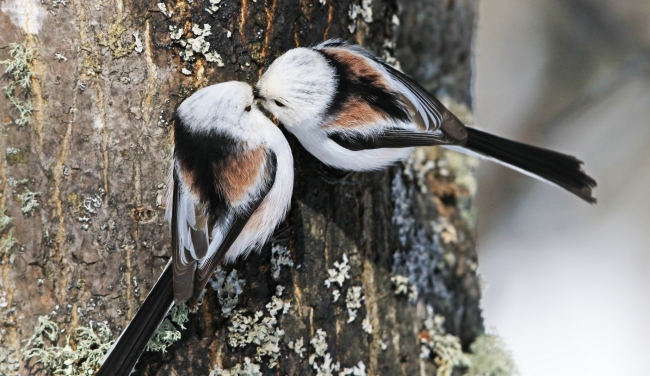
[(97, 149)]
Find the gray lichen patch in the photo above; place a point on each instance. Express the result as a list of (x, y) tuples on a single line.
[(228, 288), (353, 301), (280, 256), (192, 44), (163, 9), (9, 362), (7, 240), (298, 347), (259, 330), (85, 207), (319, 343), (164, 337), (167, 334), (18, 69), (28, 201), (179, 315), (358, 370), (321, 361), (403, 286), (490, 357), (247, 369), (364, 10), (82, 354), (420, 253), (339, 273), (366, 325), (444, 349)]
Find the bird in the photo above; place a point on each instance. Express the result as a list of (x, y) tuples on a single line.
[(355, 112), (229, 186)]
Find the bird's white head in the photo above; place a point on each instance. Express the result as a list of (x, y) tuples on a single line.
[(228, 106), (298, 88)]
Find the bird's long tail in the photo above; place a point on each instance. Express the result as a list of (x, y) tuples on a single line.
[(556, 168), (126, 351)]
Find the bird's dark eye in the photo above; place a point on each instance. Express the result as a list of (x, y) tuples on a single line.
[(248, 108), (279, 104)]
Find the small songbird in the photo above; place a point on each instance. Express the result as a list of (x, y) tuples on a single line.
[(355, 112), (230, 185)]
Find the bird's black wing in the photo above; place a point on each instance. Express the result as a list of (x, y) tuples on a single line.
[(238, 222), (440, 119), (125, 353), (390, 138)]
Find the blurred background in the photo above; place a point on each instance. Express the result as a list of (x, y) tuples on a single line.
[(568, 284)]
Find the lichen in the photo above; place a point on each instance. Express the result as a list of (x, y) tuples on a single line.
[(179, 315), (358, 370), (247, 369), (167, 333), (9, 362), (420, 252), (84, 207), (228, 288), (82, 354), (18, 68), (137, 45), (336, 294), (403, 286), (59, 56), (327, 367), (319, 343), (91, 64), (164, 337), (114, 41), (364, 10), (280, 256), (214, 6), (298, 347), (353, 301), (7, 240), (163, 9), (259, 330), (366, 325), (339, 273), (28, 201), (445, 349), (194, 45), (490, 357), (5, 220), (15, 156)]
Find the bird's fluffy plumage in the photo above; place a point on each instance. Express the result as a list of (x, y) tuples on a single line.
[(230, 185), (367, 115)]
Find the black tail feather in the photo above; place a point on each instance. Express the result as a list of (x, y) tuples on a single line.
[(126, 352), (561, 169)]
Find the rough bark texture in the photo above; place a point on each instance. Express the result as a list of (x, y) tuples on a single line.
[(97, 152)]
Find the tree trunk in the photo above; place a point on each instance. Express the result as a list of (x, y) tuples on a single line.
[(83, 182)]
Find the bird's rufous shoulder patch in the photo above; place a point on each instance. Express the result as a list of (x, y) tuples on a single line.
[(237, 175), (358, 66), (355, 114)]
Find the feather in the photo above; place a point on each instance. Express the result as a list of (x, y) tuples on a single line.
[(560, 169)]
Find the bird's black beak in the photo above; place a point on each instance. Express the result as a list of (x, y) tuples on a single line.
[(256, 94)]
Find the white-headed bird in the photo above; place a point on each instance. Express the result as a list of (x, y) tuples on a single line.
[(355, 112), (230, 186)]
